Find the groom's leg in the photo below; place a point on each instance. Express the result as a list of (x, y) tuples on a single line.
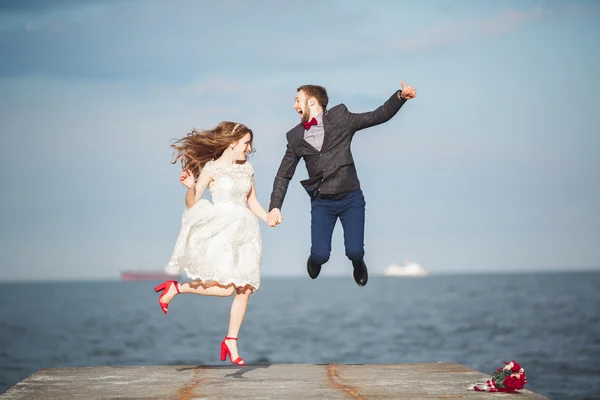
[(353, 222), (323, 219), (352, 217)]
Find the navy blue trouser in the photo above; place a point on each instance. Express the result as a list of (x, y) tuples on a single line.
[(324, 215)]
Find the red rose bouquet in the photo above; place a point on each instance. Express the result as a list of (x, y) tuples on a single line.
[(507, 379)]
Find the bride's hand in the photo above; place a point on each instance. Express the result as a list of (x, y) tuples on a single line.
[(274, 217), (187, 179), (270, 223)]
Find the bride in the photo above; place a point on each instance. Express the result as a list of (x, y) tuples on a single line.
[(219, 246)]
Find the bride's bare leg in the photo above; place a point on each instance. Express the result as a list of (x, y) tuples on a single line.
[(197, 287), (236, 316)]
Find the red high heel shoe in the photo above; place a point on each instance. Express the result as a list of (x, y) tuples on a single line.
[(165, 287), (225, 351)]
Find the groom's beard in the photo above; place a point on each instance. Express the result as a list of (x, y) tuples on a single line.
[(305, 113)]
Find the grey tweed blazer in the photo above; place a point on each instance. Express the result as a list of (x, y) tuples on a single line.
[(330, 171)]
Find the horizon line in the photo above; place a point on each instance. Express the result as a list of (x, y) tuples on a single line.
[(325, 276)]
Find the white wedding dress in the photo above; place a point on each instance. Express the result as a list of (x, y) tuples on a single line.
[(219, 242)]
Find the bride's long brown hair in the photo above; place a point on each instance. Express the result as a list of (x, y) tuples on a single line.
[(200, 147)]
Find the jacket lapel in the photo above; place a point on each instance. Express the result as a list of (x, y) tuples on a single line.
[(300, 142), (326, 135)]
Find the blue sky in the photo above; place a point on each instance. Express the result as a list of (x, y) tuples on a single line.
[(495, 165)]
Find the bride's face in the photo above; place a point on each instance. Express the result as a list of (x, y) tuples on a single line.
[(242, 147)]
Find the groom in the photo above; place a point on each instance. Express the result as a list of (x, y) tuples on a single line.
[(323, 139)]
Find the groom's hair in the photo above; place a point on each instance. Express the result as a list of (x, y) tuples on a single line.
[(318, 92)]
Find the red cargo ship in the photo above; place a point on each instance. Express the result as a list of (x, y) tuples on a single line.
[(147, 276)]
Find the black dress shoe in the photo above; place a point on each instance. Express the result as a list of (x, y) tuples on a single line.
[(313, 268), (361, 275)]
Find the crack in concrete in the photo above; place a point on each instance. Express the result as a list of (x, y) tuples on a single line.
[(336, 382), (187, 391)]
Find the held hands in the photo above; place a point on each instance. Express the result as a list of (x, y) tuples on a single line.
[(408, 92), (187, 179), (269, 223), (274, 217)]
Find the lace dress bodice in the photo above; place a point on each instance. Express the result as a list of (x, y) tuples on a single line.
[(232, 183)]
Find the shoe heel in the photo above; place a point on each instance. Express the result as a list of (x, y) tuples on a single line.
[(223, 352), (160, 287)]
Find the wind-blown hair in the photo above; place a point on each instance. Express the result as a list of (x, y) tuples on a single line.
[(200, 147)]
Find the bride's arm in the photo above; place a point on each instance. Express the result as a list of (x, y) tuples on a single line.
[(254, 205), (194, 192)]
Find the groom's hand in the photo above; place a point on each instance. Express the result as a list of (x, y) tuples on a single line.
[(408, 92), (274, 217)]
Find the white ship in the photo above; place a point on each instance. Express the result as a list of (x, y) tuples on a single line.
[(408, 269)]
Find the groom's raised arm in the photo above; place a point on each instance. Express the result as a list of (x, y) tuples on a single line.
[(282, 179), (383, 113)]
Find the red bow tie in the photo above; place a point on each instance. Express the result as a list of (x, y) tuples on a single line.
[(310, 123)]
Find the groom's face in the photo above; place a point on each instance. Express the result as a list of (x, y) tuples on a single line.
[(301, 106)]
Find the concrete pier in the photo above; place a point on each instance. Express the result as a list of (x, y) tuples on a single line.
[(268, 381)]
